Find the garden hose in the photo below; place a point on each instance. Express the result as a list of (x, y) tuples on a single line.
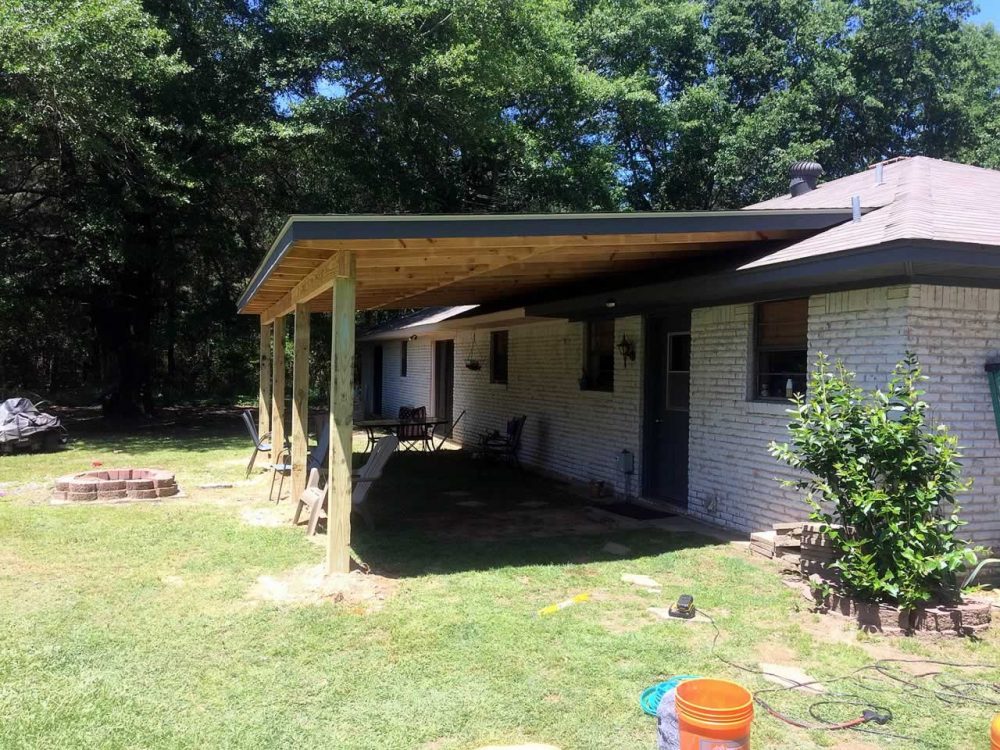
[(651, 696)]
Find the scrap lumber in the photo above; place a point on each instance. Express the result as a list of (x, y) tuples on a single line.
[(762, 543)]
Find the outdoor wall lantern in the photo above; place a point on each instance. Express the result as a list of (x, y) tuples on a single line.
[(626, 347)]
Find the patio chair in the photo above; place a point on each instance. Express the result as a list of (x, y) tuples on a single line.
[(413, 435), (362, 482), (315, 461), (261, 443), (504, 447)]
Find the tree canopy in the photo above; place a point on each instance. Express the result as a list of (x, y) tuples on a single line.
[(151, 148)]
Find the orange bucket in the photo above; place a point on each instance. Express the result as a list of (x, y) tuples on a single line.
[(713, 714), (995, 733)]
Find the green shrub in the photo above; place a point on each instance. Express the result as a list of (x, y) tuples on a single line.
[(883, 480)]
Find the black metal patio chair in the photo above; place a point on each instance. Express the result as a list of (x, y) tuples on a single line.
[(504, 447)]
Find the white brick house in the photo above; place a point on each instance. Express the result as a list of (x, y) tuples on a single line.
[(918, 269)]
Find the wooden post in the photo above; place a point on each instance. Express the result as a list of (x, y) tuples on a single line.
[(338, 558), (264, 394), (300, 400), (278, 390)]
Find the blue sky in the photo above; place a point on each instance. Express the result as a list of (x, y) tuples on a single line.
[(989, 10)]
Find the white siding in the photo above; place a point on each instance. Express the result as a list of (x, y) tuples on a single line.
[(569, 432)]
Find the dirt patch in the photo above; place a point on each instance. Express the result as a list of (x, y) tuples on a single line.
[(437, 744), (853, 745), (309, 584), (777, 653), (619, 623), (847, 634), (268, 517)]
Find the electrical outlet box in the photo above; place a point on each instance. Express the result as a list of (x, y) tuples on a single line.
[(626, 462)]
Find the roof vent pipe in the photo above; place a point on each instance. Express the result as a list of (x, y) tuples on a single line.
[(804, 175)]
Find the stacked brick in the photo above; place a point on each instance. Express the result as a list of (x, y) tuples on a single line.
[(817, 552), (116, 484), (799, 546)]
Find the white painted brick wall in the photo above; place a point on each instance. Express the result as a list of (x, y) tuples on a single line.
[(955, 331), (569, 432), (578, 434), (728, 462), (952, 330), (415, 388)]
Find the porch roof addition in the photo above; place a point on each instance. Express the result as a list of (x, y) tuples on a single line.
[(423, 261)]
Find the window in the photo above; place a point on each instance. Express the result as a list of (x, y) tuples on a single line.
[(599, 356), (402, 359), (782, 348), (498, 357)]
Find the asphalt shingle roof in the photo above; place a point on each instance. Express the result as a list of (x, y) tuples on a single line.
[(919, 199)]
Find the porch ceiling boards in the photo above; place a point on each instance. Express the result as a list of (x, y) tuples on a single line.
[(424, 261)]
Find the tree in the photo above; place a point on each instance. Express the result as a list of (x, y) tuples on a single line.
[(149, 149), (427, 105)]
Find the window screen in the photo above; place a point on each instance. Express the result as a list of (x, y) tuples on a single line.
[(782, 348), (599, 356), (498, 357)]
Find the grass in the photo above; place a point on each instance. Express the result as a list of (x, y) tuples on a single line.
[(128, 626)]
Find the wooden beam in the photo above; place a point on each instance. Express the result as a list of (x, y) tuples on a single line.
[(316, 282), (278, 391), (264, 391), (338, 557), (300, 401)]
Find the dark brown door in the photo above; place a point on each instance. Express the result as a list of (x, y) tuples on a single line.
[(668, 382), (377, 380), (444, 383)]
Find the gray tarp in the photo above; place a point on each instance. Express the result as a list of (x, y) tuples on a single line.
[(20, 419)]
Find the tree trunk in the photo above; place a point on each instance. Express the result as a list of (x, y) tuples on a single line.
[(124, 329)]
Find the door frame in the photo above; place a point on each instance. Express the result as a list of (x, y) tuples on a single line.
[(656, 325), (436, 378)]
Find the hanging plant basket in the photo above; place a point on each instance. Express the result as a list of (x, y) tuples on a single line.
[(471, 363)]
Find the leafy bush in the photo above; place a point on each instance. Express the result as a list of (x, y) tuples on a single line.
[(883, 481)]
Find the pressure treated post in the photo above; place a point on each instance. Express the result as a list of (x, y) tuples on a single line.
[(338, 558), (300, 400), (278, 391), (264, 394)]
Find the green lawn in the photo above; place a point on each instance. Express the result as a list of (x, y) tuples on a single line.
[(128, 626)]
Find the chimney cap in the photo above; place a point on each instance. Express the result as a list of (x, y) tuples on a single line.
[(804, 175)]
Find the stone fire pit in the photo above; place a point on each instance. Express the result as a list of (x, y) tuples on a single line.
[(115, 484)]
